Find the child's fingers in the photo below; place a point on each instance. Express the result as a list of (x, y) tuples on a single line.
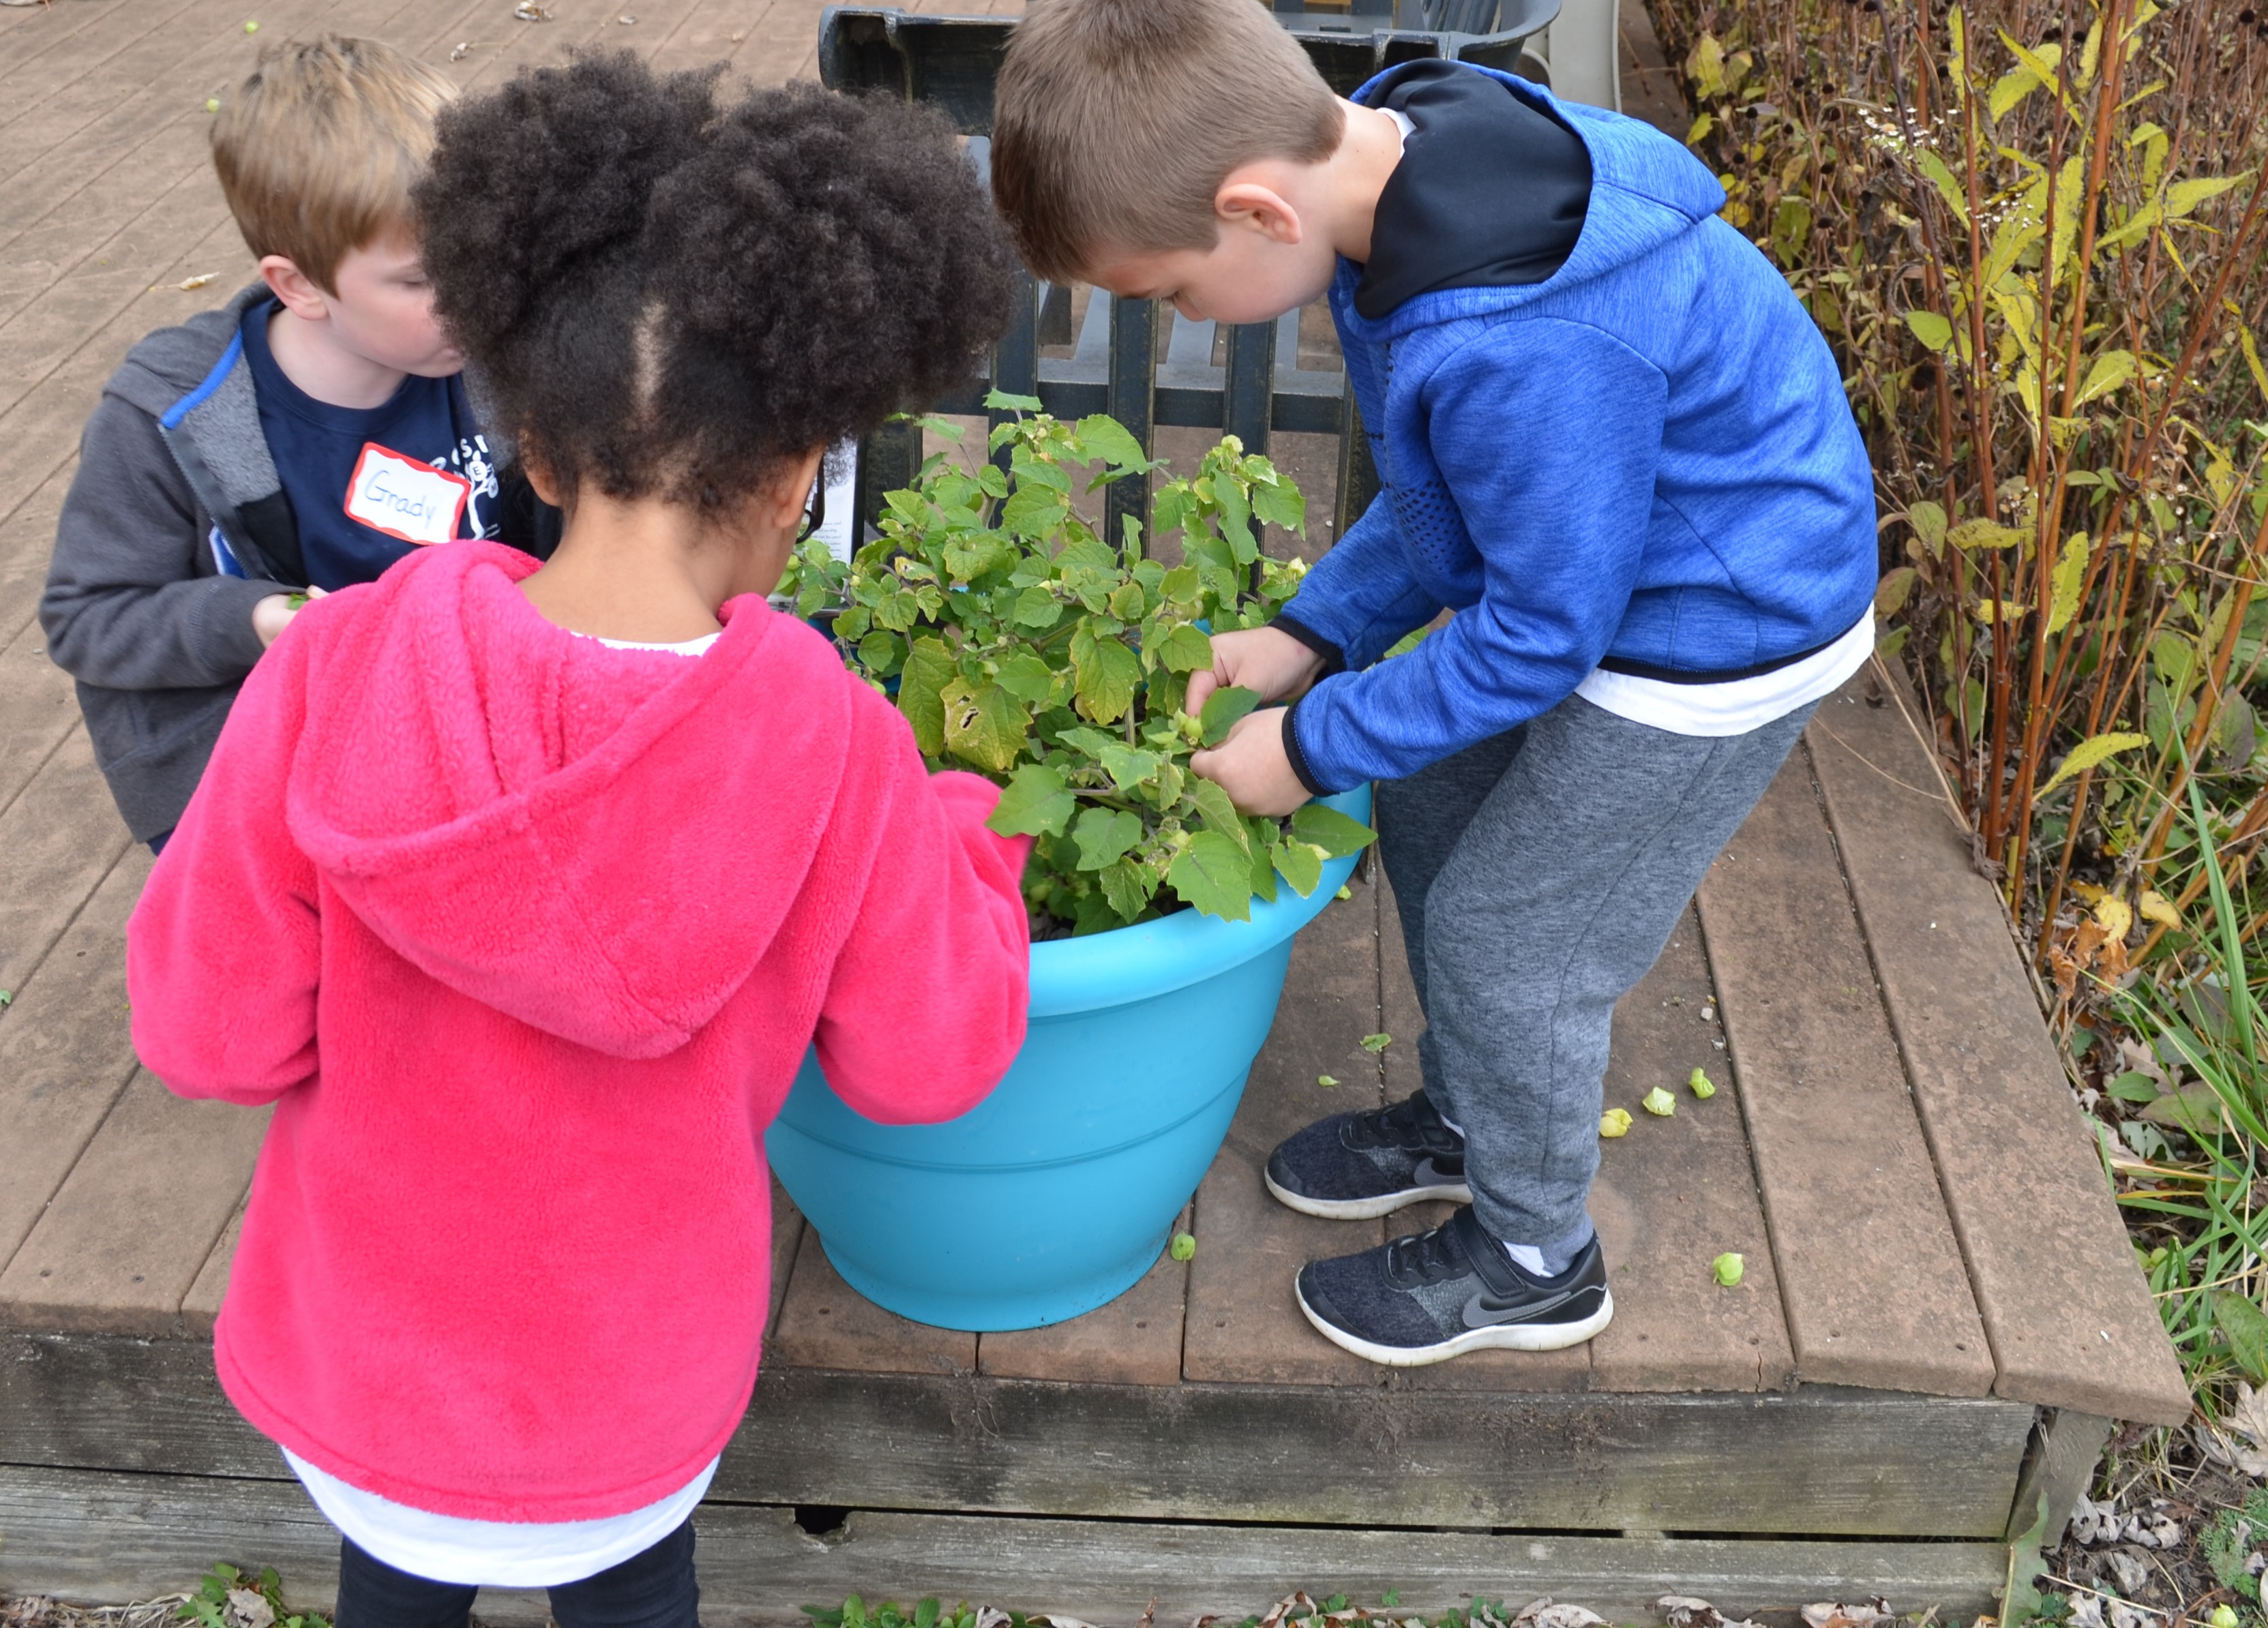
[(1203, 683)]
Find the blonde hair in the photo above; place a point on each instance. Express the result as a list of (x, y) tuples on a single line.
[(1116, 121), (318, 149)]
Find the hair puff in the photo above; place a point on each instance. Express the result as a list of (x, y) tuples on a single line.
[(668, 291)]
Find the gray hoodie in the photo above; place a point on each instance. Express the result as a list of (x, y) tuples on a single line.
[(136, 609)]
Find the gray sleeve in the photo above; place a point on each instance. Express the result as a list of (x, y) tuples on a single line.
[(132, 601)]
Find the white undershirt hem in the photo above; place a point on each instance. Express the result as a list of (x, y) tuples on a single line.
[(499, 1554), (1740, 704)]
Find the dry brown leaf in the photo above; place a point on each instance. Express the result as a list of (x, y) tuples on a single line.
[(1874, 1613), (1544, 1614)]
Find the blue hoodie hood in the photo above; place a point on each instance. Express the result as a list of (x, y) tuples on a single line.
[(1644, 461)]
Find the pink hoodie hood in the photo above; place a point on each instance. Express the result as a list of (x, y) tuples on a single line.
[(436, 767)]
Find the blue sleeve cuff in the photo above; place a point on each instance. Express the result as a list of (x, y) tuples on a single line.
[(1299, 757), (1334, 658)]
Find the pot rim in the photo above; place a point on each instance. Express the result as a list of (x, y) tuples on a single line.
[(1152, 959)]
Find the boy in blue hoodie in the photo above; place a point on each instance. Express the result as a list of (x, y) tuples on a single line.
[(1610, 443)]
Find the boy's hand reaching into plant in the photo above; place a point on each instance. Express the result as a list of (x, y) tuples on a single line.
[(1251, 766), (1265, 660)]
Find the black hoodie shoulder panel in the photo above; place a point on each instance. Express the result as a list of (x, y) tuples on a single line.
[(1490, 191)]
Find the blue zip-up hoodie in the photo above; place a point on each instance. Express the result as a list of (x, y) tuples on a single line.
[(1643, 461)]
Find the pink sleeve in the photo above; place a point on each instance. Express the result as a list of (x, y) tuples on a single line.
[(927, 1008), (222, 951)]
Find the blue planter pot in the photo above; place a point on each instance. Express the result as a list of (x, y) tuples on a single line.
[(1055, 1194)]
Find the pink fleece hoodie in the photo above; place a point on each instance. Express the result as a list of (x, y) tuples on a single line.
[(526, 937)]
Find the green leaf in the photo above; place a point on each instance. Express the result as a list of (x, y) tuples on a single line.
[(1033, 513), (1280, 504), (1185, 648), (2133, 1088), (1035, 803), (1375, 1044), (1890, 593), (1104, 835), (1213, 876), (1128, 887), (878, 652), (1928, 520), (1220, 814), (2183, 196), (1222, 710), (1301, 864), (1108, 675), (2245, 1327), (1934, 332), (1984, 534), (2089, 753), (1331, 831), (2068, 578), (2111, 370), (1001, 401), (1036, 608), (1112, 442), (1128, 766), (1026, 677), (928, 669), (1956, 198), (984, 725)]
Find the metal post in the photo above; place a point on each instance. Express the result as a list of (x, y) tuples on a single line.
[(1133, 384), (1016, 358), (1248, 400), (889, 459), (1358, 474)]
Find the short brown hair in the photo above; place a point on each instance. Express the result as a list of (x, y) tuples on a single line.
[(1117, 121), (318, 149)]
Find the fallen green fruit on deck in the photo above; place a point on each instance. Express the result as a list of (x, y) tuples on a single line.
[(252, 27), (1660, 1101), (1614, 1122), (1704, 1087), (1376, 1042), (212, 104), (1326, 1080), (1346, 892), (1729, 1268), (1183, 1247), (2224, 1615)]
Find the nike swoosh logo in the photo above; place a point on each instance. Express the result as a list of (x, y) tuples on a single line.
[(1428, 1174), (1480, 1315)]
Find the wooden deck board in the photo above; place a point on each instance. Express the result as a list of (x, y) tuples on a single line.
[(64, 1052), (42, 713), (2069, 1316), (27, 538), (1244, 1322), (159, 1534), (1675, 1194), (58, 839), (1874, 1283), (124, 1238), (824, 1322), (73, 59), (1134, 1340)]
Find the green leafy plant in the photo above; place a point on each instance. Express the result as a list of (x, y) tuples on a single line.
[(1019, 643), (231, 1598)]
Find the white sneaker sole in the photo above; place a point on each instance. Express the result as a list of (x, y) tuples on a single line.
[(1497, 1337), (1366, 1209)]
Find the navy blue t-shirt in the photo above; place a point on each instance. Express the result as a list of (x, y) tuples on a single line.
[(377, 463)]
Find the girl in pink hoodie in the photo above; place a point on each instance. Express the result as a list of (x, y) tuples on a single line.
[(521, 891)]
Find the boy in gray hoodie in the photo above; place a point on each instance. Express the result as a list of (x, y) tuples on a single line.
[(305, 436)]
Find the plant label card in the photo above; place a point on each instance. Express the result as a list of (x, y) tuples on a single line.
[(406, 497)]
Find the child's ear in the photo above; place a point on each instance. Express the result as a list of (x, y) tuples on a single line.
[(300, 293), (538, 475), (1255, 206), (786, 494)]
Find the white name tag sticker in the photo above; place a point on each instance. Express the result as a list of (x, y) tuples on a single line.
[(406, 497)]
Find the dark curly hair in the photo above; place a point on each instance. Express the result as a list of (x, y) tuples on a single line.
[(668, 291)]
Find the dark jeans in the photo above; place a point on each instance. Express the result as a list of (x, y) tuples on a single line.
[(653, 1589)]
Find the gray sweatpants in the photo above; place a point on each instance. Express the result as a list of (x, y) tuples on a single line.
[(1539, 874)]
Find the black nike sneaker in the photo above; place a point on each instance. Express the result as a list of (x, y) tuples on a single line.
[(1436, 1294), (1354, 1166)]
